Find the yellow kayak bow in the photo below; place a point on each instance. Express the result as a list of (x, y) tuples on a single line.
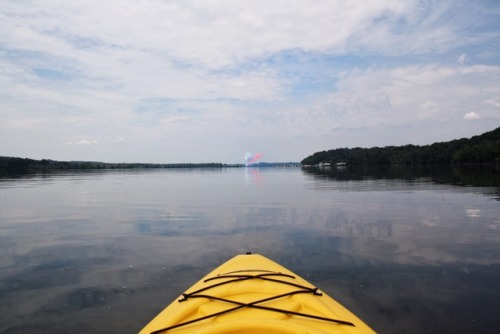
[(252, 294)]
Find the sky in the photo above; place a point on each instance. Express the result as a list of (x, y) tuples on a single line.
[(166, 81)]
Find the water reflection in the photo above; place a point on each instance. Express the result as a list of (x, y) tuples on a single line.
[(103, 252), (477, 176), (252, 175)]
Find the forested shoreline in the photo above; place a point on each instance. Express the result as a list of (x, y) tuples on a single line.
[(23, 165), (480, 149)]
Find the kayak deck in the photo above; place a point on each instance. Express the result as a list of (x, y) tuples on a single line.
[(250, 294)]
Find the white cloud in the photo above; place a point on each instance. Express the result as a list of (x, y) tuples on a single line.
[(471, 116), (397, 97), (462, 59), (492, 102), (215, 34), (83, 142)]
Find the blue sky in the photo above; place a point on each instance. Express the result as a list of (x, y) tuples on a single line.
[(207, 81)]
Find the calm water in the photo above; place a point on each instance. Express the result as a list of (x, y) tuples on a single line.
[(409, 251)]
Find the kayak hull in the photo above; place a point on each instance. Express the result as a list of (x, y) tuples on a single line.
[(253, 294)]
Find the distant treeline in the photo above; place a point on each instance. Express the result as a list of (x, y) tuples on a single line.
[(484, 148), (23, 165), (275, 164), (10, 165)]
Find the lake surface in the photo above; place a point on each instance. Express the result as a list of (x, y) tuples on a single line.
[(409, 251)]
